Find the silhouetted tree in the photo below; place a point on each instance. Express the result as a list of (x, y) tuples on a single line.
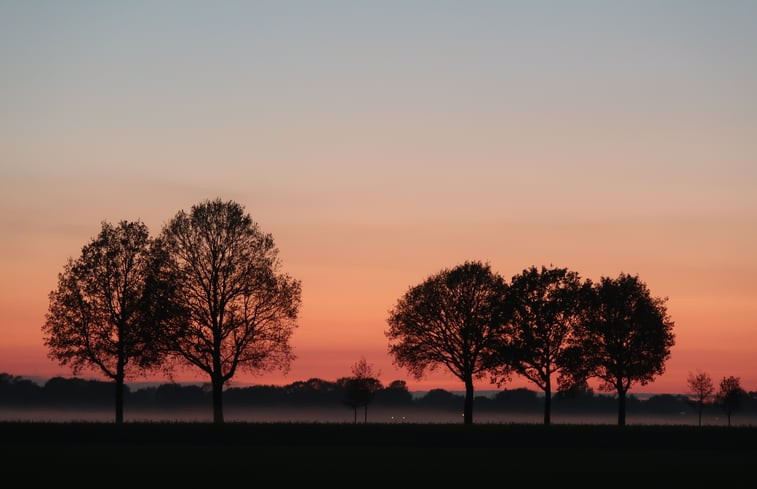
[(361, 387), (97, 315), (545, 308), (452, 319), (625, 337), (730, 395), (576, 390), (700, 386), (238, 309)]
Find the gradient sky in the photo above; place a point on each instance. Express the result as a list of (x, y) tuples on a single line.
[(382, 141)]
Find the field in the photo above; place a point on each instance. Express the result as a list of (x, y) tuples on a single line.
[(84, 453)]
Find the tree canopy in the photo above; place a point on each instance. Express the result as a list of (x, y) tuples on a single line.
[(730, 395), (453, 319), (98, 315), (625, 338), (361, 387), (236, 309), (700, 386), (545, 308)]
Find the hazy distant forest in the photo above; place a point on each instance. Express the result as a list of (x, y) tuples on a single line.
[(74, 393), (209, 293)]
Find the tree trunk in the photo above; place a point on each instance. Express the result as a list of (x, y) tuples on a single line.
[(217, 381), (700, 413), (119, 399), (547, 402), (120, 374), (216, 377), (729, 418), (365, 413), (468, 409), (621, 407), (354, 410)]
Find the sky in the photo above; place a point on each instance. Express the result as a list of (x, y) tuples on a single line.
[(380, 142)]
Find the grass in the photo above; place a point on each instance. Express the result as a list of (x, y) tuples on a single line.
[(83, 453)]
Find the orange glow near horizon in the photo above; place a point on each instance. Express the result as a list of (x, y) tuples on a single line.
[(343, 318), (380, 145)]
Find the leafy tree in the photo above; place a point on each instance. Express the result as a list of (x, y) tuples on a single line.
[(237, 310), (625, 337), (700, 386), (545, 309), (453, 319), (361, 387), (97, 316), (730, 395)]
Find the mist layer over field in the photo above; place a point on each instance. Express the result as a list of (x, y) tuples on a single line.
[(340, 414)]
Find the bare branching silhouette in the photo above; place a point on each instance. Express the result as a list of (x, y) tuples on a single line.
[(730, 395), (453, 319), (98, 316), (545, 308), (625, 338), (237, 310), (701, 387), (361, 387)]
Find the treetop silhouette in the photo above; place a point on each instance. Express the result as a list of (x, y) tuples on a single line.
[(624, 338), (98, 315), (236, 309), (453, 319), (545, 307)]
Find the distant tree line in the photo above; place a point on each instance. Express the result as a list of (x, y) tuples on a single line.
[(59, 392)]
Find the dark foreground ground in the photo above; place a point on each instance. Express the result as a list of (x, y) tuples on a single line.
[(239, 455)]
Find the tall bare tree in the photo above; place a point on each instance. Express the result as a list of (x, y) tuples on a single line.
[(238, 309), (625, 337), (701, 387), (545, 307), (98, 316), (729, 395), (453, 319)]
